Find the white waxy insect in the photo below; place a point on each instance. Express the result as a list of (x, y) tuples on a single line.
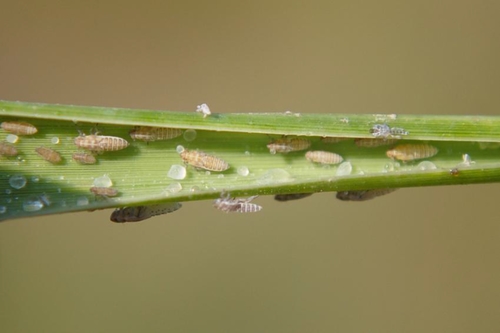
[(146, 133), (363, 195), (204, 109), (233, 205), (328, 139), (201, 160), (104, 191), (140, 213), (384, 131), (286, 145), (100, 143), (49, 155), (372, 143), (84, 158), (7, 149), (410, 152), (19, 127), (323, 157), (291, 196)]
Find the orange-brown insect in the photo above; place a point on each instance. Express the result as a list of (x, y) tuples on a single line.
[(291, 196), (410, 152), (286, 145), (371, 143), (140, 213), (84, 158), (201, 160), (19, 127), (104, 191), (323, 157), (363, 195), (49, 155), (7, 150), (328, 139), (232, 205), (146, 133), (100, 143)]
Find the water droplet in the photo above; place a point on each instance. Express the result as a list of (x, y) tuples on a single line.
[(174, 188), (189, 135), (207, 173), (8, 191), (32, 204), (179, 149), (17, 181), (82, 201), (177, 172), (194, 189), (426, 165), (247, 152), (344, 169), (220, 176), (61, 177), (243, 171), (344, 120), (103, 181), (11, 138), (35, 179), (274, 176), (3, 209), (288, 112), (54, 140)]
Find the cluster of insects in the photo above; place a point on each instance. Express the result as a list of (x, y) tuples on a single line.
[(90, 146)]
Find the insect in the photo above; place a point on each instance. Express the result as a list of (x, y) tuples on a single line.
[(104, 191), (232, 205), (454, 172), (328, 139), (19, 127), (291, 196), (201, 160), (204, 109), (372, 143), (49, 155), (410, 152), (7, 150), (363, 195), (146, 133), (384, 131), (140, 213), (286, 145), (84, 158), (100, 143), (323, 157)]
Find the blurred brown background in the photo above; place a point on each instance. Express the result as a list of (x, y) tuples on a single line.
[(419, 260)]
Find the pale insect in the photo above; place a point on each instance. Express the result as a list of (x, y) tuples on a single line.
[(286, 145), (146, 133), (410, 152), (7, 150), (291, 196), (204, 109), (84, 158), (372, 143), (329, 139), (140, 213), (363, 195), (201, 160), (233, 205), (49, 155), (384, 131), (104, 191), (100, 143), (19, 127), (323, 157)]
